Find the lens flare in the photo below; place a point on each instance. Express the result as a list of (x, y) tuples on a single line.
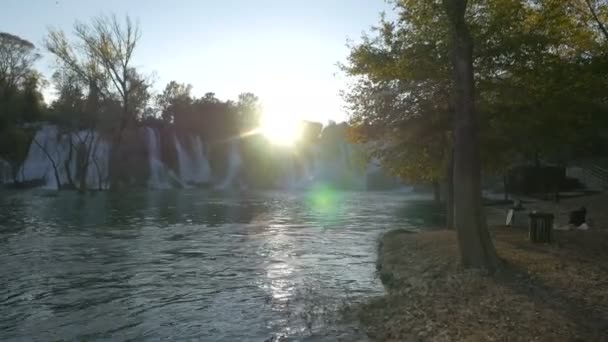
[(324, 200)]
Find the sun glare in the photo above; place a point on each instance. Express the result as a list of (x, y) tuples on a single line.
[(280, 128)]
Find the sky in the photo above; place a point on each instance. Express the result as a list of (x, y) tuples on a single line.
[(284, 51)]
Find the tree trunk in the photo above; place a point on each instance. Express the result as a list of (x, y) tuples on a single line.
[(15, 167), (99, 178), (85, 152), (596, 18), (449, 201), (66, 163), (476, 247), (93, 159), (82, 162), (436, 192), (116, 152), (53, 164)]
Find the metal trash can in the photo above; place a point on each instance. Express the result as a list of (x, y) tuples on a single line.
[(541, 227)]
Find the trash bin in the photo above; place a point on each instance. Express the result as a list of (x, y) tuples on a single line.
[(541, 227)]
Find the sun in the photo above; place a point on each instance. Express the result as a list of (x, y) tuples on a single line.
[(279, 127)]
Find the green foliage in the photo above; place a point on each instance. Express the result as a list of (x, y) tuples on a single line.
[(213, 119), (249, 111), (399, 98), (21, 102), (99, 56), (14, 146), (174, 100), (17, 58), (540, 85), (20, 83), (261, 169)]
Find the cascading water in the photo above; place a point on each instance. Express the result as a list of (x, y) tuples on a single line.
[(53, 159), (200, 161), (193, 165), (357, 172), (234, 164), (290, 180), (337, 164), (37, 165), (185, 163), (158, 174), (100, 169), (5, 172)]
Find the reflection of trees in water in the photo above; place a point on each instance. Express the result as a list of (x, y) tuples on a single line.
[(197, 207), (13, 214), (422, 214), (131, 209), (69, 209), (69, 254)]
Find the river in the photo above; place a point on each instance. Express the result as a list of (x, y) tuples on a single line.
[(190, 264)]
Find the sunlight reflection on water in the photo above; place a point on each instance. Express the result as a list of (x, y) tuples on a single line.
[(185, 264)]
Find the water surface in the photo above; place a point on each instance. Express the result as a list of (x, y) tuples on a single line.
[(187, 264)]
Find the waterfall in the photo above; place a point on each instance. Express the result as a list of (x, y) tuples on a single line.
[(290, 179), (308, 163), (357, 172), (316, 164), (52, 158), (200, 161), (185, 163), (193, 165), (159, 177), (5, 172), (302, 170), (336, 164), (37, 165), (234, 164), (99, 168)]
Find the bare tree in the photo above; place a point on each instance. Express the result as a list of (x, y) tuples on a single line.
[(17, 57), (476, 247), (595, 8), (590, 12), (102, 54), (52, 160)]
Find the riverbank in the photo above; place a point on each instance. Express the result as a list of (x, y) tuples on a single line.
[(555, 292)]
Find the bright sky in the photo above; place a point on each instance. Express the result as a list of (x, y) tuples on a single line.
[(285, 51)]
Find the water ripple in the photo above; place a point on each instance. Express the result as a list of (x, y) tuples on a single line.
[(183, 265)]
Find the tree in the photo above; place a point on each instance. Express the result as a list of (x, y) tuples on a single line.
[(597, 10), (399, 102), (101, 58), (539, 89), (249, 111), (17, 58), (20, 99), (102, 55), (175, 99), (76, 112), (476, 247), (14, 143)]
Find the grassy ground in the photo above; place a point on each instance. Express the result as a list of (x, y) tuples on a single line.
[(556, 292)]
